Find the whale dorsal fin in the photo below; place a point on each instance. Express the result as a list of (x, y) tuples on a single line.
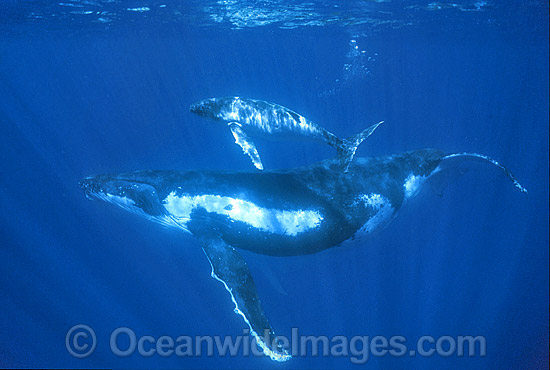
[(247, 145), (231, 269)]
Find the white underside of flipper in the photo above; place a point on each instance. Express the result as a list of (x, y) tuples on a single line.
[(247, 145), (229, 268)]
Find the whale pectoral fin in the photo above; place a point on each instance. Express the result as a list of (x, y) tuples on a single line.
[(230, 268), (247, 145)]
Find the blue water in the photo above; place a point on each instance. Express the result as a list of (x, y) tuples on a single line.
[(90, 87)]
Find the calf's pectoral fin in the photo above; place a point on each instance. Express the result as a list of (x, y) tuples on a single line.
[(231, 270), (247, 145)]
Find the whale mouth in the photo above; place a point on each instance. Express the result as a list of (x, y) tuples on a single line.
[(90, 186), (131, 195)]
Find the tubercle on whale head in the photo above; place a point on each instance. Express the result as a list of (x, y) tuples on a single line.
[(126, 193), (198, 108), (90, 186), (208, 108)]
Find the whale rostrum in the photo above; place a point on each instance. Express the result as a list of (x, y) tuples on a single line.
[(250, 118)]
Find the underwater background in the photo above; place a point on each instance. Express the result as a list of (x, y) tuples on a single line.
[(104, 86)]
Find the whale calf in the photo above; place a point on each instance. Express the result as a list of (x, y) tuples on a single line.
[(249, 118), (279, 213)]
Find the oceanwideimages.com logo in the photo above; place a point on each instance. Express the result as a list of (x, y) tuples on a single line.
[(81, 342)]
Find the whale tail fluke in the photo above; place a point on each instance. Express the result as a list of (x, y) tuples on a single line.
[(347, 147), (505, 170)]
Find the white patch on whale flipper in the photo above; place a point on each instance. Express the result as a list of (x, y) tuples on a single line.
[(247, 145), (229, 268), (269, 220), (259, 340)]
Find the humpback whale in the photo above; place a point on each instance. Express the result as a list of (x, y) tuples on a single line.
[(279, 213), (248, 118)]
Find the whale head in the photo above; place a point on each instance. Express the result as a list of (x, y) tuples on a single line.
[(208, 108), (130, 193)]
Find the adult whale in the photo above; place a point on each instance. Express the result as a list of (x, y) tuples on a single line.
[(280, 213), (248, 118)]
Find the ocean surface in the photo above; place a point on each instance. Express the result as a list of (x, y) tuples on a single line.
[(104, 86)]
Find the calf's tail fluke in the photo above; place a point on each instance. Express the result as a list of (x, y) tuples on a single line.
[(347, 147), (492, 161)]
